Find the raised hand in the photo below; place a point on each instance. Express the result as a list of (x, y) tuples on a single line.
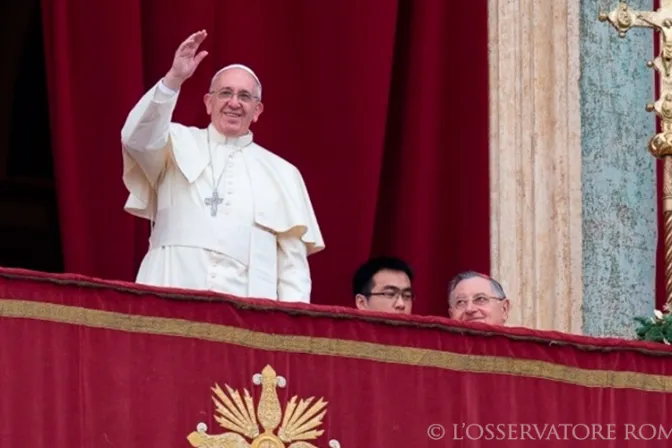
[(186, 60)]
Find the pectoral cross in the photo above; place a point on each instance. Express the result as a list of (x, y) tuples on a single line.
[(213, 202), (660, 145)]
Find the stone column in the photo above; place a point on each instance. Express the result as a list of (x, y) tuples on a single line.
[(535, 160), (619, 183)]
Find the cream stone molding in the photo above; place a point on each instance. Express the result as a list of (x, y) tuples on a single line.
[(535, 160)]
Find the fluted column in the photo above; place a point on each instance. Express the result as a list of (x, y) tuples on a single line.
[(535, 160)]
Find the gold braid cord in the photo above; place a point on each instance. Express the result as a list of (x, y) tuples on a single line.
[(623, 18)]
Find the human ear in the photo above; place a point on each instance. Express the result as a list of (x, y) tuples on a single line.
[(361, 302)]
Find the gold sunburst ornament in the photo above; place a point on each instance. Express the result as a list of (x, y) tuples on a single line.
[(299, 422)]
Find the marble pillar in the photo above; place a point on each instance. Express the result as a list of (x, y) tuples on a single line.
[(618, 180), (573, 191), (535, 160)]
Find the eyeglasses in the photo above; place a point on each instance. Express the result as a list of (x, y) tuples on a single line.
[(226, 95), (392, 294), (480, 300)]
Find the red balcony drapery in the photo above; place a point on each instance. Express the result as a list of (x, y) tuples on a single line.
[(87, 363)]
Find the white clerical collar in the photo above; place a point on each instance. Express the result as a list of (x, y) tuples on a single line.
[(240, 141)]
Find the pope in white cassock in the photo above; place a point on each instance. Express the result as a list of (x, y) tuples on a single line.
[(227, 214)]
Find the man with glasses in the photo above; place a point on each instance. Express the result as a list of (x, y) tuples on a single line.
[(384, 284), (227, 214), (474, 297)]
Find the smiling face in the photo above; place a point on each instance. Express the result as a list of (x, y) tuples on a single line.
[(233, 102), (474, 300)]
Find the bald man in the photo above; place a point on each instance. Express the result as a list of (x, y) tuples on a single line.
[(227, 214)]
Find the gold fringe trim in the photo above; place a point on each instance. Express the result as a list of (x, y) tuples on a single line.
[(334, 347)]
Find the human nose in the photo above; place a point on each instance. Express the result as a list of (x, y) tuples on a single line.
[(470, 308), (399, 303), (234, 101)]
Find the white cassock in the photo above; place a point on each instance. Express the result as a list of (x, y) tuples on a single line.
[(258, 242)]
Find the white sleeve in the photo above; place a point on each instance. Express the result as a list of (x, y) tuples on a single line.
[(294, 282), (146, 134)]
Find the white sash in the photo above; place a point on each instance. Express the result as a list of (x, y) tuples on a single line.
[(246, 243)]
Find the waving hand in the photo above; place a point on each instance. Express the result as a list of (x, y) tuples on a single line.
[(187, 58)]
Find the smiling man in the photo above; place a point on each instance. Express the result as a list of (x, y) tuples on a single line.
[(474, 297), (228, 215)]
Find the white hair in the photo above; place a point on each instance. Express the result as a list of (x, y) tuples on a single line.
[(242, 67)]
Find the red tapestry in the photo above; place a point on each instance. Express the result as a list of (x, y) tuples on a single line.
[(85, 363)]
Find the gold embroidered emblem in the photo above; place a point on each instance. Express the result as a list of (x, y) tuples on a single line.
[(299, 422)]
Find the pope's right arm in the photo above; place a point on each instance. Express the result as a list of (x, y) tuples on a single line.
[(146, 133), (145, 136)]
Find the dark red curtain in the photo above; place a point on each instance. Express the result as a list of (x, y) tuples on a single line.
[(382, 105), (100, 365)]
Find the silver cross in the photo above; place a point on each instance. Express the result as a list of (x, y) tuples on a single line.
[(213, 202)]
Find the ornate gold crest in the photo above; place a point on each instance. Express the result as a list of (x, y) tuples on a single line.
[(298, 423)]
